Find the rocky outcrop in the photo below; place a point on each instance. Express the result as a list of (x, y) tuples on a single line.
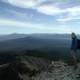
[(59, 70), (32, 68), (23, 68)]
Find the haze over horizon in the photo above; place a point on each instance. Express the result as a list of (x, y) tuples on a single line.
[(39, 16)]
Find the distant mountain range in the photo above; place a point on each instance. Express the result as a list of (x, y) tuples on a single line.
[(11, 36), (33, 41), (41, 36)]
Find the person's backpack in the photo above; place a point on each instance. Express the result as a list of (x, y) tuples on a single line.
[(78, 43)]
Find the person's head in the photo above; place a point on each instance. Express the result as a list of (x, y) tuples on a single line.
[(73, 35)]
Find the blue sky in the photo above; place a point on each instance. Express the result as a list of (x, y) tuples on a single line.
[(39, 16)]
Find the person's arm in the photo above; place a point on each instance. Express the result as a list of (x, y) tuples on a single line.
[(72, 44)]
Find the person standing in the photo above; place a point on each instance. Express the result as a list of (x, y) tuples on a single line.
[(74, 48)]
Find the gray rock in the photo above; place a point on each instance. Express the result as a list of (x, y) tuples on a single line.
[(59, 70)]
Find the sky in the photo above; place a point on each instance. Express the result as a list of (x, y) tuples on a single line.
[(39, 16)]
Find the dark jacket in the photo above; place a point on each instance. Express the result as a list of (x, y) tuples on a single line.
[(74, 44)]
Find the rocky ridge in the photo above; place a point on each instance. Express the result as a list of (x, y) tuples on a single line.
[(32, 68)]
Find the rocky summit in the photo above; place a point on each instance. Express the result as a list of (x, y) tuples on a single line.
[(32, 68)]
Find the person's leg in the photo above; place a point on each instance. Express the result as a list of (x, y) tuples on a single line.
[(73, 54)]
